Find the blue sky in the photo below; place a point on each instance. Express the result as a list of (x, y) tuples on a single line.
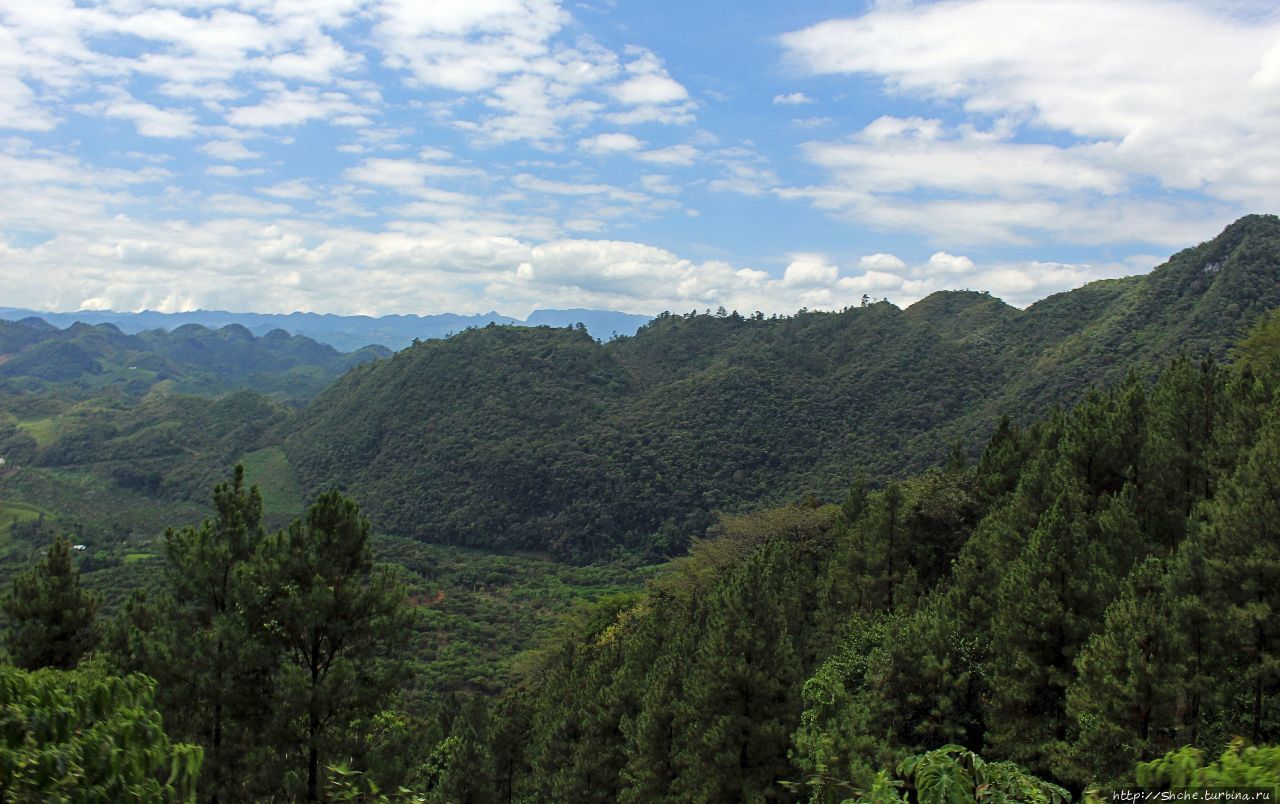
[(355, 156)]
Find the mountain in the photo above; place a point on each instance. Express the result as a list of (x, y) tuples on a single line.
[(602, 324), (345, 333), (1050, 605), (543, 439), (36, 356)]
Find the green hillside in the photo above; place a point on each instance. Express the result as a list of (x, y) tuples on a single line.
[(519, 438), (1093, 602), (84, 360)]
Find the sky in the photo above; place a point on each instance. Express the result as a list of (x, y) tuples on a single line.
[(428, 156)]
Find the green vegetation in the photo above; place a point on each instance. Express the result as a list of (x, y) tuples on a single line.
[(91, 360), (14, 513), (540, 439), (1097, 591), (268, 649), (86, 736), (269, 470), (1090, 599), (51, 619)]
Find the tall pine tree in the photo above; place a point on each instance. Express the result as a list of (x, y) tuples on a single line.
[(52, 621)]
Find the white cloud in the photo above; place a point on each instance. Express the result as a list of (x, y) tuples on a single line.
[(881, 262), (228, 150), (682, 154), (291, 107), (150, 121), (945, 263), (649, 89), (810, 269), (792, 99), (233, 172), (293, 189), (1087, 105), (611, 142)]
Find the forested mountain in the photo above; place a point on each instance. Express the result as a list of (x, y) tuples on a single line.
[(91, 359), (1097, 590), (347, 333), (545, 439), (1089, 596)]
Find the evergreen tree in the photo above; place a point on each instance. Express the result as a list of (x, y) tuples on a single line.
[(741, 695), (1177, 469), (192, 640), (1049, 602), (651, 733), (1124, 703), (1241, 532), (331, 620), (52, 620)]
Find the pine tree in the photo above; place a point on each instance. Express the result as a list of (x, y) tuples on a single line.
[(651, 733), (1124, 703), (331, 620), (1049, 602), (52, 620), (1177, 469), (192, 639), (742, 690), (1241, 532)]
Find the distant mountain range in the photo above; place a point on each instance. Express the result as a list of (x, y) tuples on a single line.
[(347, 333), (88, 359)]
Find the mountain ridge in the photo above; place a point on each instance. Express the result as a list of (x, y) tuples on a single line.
[(699, 413), (345, 333)]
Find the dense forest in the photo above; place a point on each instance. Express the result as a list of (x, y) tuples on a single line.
[(543, 439), (1004, 556), (1090, 603), (1097, 590)]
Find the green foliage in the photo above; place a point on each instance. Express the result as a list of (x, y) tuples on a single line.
[(1240, 765), (330, 619), (1052, 603), (541, 439), (190, 637), (268, 648), (84, 359), (954, 775), (52, 621), (84, 736)]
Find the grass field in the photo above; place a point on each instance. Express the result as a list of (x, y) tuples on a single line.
[(16, 511), (42, 430), (270, 469)]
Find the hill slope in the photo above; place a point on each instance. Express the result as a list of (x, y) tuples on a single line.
[(36, 356), (347, 333), (544, 439)]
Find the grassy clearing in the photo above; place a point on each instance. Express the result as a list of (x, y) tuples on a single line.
[(270, 469), (44, 430), (11, 512)]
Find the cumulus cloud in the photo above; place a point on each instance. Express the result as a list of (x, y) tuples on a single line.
[(1095, 75), (228, 150), (674, 155), (611, 142), (791, 99)]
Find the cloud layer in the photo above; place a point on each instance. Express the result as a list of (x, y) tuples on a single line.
[(388, 155), (1071, 111)]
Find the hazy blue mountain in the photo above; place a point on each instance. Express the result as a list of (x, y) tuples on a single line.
[(602, 324), (346, 333), (91, 359)]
